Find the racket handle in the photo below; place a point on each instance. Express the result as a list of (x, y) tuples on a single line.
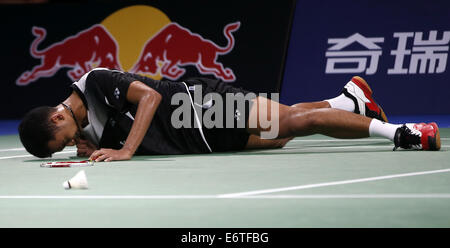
[(45, 165), (67, 164)]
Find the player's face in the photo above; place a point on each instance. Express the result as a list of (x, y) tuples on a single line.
[(65, 135)]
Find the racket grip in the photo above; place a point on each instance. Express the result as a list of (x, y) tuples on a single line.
[(55, 165)]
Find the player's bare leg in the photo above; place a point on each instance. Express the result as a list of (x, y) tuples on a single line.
[(312, 105), (295, 121), (356, 97), (340, 102), (256, 142)]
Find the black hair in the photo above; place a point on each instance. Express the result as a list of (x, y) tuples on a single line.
[(36, 130)]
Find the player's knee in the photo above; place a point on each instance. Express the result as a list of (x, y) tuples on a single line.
[(303, 122), (315, 119), (292, 123)]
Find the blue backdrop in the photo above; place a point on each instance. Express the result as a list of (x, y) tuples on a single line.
[(400, 47)]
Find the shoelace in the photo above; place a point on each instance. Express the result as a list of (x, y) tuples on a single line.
[(409, 138)]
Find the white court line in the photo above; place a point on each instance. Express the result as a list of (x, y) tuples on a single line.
[(353, 147), (317, 185), (346, 196), (124, 197), (29, 155), (338, 140), (346, 140), (12, 149), (181, 197)]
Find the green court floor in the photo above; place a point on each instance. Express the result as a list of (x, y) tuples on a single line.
[(314, 181)]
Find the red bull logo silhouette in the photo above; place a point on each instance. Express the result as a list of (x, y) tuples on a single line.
[(90, 48), (176, 46), (173, 46)]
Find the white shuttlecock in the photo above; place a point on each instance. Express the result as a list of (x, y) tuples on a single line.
[(79, 181)]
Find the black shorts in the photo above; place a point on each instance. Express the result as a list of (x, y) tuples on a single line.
[(232, 135)]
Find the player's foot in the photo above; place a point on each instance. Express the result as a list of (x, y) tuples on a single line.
[(359, 91), (419, 136)]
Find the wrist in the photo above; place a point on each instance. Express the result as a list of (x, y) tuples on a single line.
[(128, 150)]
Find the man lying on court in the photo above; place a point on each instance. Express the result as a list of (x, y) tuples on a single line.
[(113, 115)]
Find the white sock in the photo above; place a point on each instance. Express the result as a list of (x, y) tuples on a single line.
[(379, 128), (342, 102)]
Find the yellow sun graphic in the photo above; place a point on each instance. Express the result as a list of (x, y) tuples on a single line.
[(132, 27)]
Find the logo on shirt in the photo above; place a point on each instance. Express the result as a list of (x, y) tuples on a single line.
[(117, 93), (206, 105)]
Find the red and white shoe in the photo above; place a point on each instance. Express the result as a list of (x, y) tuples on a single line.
[(359, 91), (418, 136)]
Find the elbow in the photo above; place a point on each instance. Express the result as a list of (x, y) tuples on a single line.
[(139, 92), (151, 97), (156, 96)]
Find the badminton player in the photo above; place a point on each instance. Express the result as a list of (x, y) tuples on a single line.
[(114, 115)]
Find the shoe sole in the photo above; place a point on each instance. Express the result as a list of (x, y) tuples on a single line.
[(435, 142), (365, 84)]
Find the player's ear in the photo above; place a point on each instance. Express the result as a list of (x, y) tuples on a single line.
[(56, 117)]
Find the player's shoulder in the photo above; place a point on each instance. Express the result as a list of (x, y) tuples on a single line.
[(91, 72), (101, 71), (87, 77), (97, 74)]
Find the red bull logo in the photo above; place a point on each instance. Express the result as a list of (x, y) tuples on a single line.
[(164, 49), (82, 52), (175, 46)]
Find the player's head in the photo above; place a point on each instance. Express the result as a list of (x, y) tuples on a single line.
[(46, 130)]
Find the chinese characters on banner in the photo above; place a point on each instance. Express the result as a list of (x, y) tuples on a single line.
[(421, 56)]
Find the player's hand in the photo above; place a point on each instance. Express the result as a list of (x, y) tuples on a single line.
[(108, 155), (85, 148)]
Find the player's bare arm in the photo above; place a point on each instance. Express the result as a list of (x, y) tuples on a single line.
[(147, 101)]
